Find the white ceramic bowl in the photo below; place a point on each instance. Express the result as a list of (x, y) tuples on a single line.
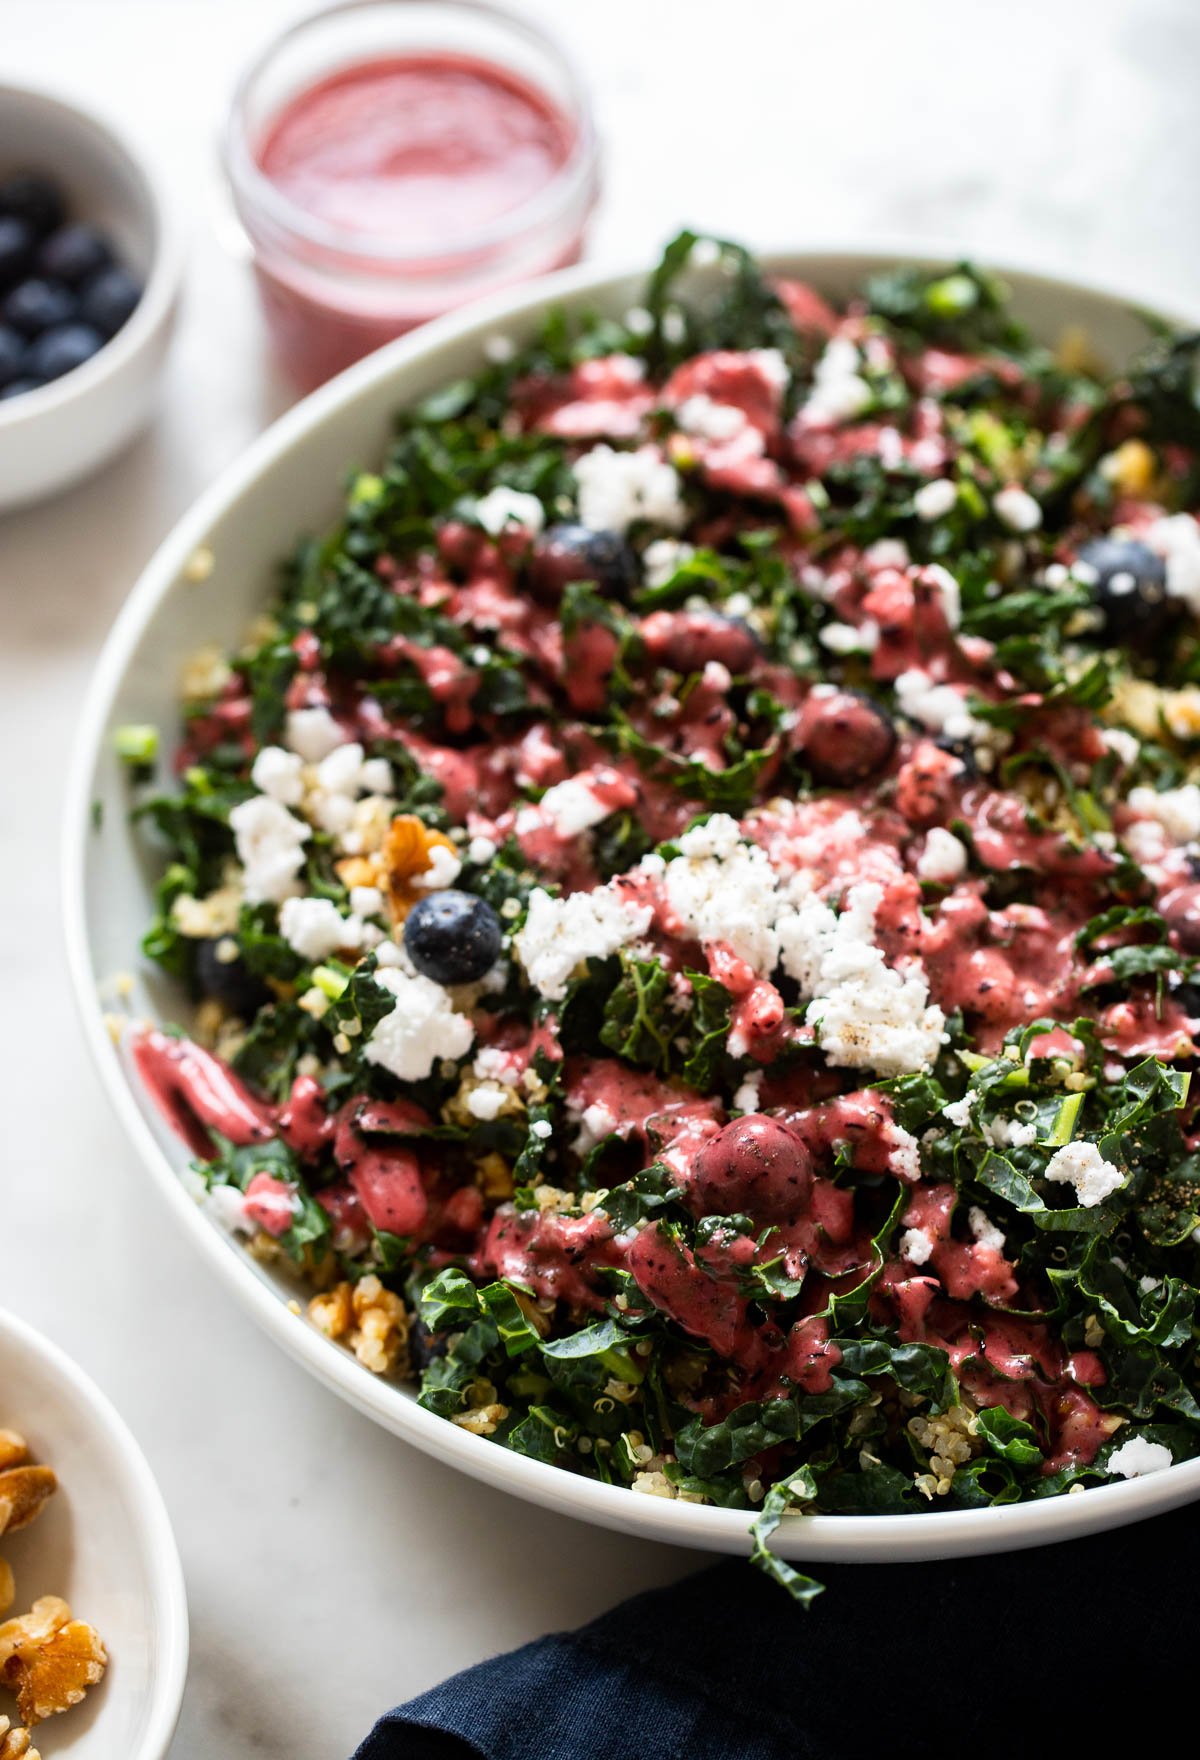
[(287, 483), (51, 437), (104, 1543)]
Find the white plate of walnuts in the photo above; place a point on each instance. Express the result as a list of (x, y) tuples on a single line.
[(93, 1616)]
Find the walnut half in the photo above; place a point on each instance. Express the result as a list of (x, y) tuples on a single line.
[(23, 1491), (15, 1743), (48, 1659)]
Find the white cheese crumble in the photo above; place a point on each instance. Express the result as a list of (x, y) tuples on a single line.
[(706, 419), (944, 857), (509, 507), (269, 842), (279, 774), (848, 638), (725, 891), (1177, 810), (942, 708), (313, 733), (839, 391), (1138, 1456), (443, 870), (934, 500), (1125, 746), (867, 1015), (316, 929), (487, 1102), (571, 807), (917, 1246), (984, 1229), (948, 590), (1009, 1133), (1177, 540), (617, 488), (748, 1095), (421, 1028), (1016, 508), (663, 558), (1081, 1165), (558, 934), (959, 1111)]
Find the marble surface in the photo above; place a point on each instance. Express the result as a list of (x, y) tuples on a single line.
[(332, 1570)]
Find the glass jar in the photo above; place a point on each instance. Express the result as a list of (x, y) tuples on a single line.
[(434, 225)]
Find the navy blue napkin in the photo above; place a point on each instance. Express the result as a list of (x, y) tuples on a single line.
[(972, 1657)]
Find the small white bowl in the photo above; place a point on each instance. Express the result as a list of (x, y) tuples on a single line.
[(104, 1543), (55, 435), (289, 482)]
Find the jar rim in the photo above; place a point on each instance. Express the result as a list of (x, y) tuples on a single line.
[(572, 183)]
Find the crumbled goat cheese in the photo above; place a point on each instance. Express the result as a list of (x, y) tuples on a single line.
[(1177, 540), (917, 1246), (558, 934), (1125, 745), (366, 901), (747, 1097), (443, 870), (725, 891), (772, 366), (708, 420), (847, 638), (420, 1029), (509, 507), (866, 1014), (959, 1111), (316, 929), (617, 488), (1017, 509), (481, 850), (269, 844), (1138, 1456), (839, 392), (278, 773), (942, 708), (949, 592), (313, 733), (227, 1206), (944, 857), (934, 500), (487, 1102), (886, 553), (1081, 1165), (1009, 1133), (663, 558), (1177, 810), (984, 1229), (571, 807)]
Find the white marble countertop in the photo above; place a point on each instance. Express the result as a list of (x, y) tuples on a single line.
[(331, 1570)]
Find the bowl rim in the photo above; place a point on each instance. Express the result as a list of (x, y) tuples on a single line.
[(161, 1554), (162, 283), (850, 1538)]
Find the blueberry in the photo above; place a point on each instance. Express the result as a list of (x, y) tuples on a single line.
[(424, 1346), (16, 248), (1130, 589), (73, 253), (568, 553), (229, 981), (35, 305), (845, 738), (63, 349), (452, 937), (28, 196), (109, 299), (12, 354), (18, 388)]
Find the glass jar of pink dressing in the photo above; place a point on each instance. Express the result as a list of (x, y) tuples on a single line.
[(391, 159)]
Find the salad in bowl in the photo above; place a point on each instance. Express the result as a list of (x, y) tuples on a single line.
[(692, 891)]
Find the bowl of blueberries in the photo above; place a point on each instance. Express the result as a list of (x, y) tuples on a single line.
[(89, 279)]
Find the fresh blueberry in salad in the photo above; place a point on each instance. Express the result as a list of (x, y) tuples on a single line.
[(36, 305), (12, 354), (74, 253), (33, 198), (62, 349), (453, 937), (110, 299), (16, 248), (226, 979), (1130, 588), (846, 738), (566, 553)]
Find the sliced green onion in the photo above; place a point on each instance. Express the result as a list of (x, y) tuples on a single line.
[(331, 981), (137, 743), (1063, 1128)]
